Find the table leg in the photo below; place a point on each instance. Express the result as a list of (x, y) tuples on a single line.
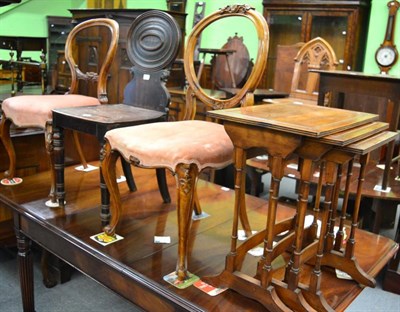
[(345, 261), (293, 268), (277, 165), (313, 293), (349, 253), (340, 233), (25, 265), (330, 236), (289, 290)]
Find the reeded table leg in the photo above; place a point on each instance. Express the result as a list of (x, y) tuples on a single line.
[(25, 265)]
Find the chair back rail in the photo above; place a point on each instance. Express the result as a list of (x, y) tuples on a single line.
[(72, 58), (244, 95)]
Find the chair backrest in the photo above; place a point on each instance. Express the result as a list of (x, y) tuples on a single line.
[(315, 54), (284, 66), (99, 43), (152, 45), (239, 64), (245, 95)]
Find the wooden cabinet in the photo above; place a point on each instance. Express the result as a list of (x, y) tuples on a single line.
[(120, 70), (343, 23)]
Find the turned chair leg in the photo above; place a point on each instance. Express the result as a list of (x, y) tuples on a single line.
[(48, 141), (5, 137), (126, 167), (78, 147), (187, 176), (197, 208), (162, 184)]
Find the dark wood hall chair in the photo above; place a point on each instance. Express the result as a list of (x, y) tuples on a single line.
[(189, 146), (36, 110), (150, 71)]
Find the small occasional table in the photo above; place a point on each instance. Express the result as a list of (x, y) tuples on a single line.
[(95, 120), (317, 135)]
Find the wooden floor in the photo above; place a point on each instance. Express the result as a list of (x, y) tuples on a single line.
[(145, 216)]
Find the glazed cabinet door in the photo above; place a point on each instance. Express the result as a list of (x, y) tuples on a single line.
[(343, 23)]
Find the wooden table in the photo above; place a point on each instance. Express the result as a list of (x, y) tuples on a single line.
[(95, 120), (332, 137), (134, 267)]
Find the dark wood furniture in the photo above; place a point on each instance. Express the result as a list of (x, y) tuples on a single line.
[(333, 137), (120, 70), (21, 44), (343, 23), (134, 267), (377, 94)]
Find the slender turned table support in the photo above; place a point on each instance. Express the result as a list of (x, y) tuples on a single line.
[(315, 135)]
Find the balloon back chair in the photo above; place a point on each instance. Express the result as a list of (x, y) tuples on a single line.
[(184, 147), (36, 110)]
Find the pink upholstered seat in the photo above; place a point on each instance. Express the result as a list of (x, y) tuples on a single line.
[(167, 144), (36, 110)]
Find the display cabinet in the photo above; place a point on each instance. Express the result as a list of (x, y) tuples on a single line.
[(343, 23)]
